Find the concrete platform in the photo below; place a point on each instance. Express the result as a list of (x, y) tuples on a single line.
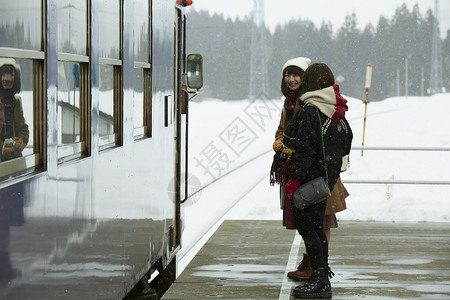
[(371, 260)]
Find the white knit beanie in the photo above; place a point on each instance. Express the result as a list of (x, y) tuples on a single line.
[(301, 62), (9, 61)]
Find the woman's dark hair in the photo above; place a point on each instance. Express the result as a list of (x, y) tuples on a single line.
[(318, 76), (291, 95), (8, 68)]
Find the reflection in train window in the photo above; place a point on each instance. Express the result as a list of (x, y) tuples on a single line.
[(68, 103), (142, 67), (110, 79), (138, 101), (141, 31), (106, 125), (72, 26), (21, 18), (109, 28), (73, 80), (19, 93), (21, 111), (71, 103)]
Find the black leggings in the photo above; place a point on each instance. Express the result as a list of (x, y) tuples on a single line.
[(310, 227)]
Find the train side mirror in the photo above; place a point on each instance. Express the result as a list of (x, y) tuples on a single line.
[(195, 71)]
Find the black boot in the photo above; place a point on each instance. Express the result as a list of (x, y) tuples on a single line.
[(6, 271), (318, 286)]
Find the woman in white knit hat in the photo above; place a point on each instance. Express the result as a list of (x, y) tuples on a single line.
[(292, 73), (291, 79)]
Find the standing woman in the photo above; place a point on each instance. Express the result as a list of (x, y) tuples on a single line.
[(292, 74), (321, 104)]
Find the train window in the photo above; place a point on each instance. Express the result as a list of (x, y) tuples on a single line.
[(110, 79), (72, 108), (109, 28), (72, 26), (138, 102), (142, 69), (73, 80), (20, 93), (141, 30), (21, 24)]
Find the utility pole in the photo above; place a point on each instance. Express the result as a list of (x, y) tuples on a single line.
[(366, 99), (422, 80), (397, 81), (406, 77), (436, 54), (258, 88)]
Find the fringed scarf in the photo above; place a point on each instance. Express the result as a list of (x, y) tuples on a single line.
[(8, 126), (275, 176), (277, 169)]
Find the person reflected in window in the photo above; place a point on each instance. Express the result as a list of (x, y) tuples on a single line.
[(14, 131), (14, 135)]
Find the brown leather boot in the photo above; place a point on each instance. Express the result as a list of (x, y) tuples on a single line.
[(304, 270)]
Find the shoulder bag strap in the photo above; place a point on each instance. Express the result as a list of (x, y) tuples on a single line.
[(323, 145)]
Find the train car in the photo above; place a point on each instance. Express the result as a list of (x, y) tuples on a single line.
[(94, 146)]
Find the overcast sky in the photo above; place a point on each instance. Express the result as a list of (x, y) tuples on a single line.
[(334, 11)]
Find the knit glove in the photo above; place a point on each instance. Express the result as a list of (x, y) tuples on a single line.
[(290, 188), (277, 145), (7, 153), (287, 152), (19, 143)]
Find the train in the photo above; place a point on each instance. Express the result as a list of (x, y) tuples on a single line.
[(90, 205)]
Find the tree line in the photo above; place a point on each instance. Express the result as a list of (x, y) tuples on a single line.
[(404, 39)]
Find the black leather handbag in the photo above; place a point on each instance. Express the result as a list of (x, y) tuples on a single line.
[(316, 190)]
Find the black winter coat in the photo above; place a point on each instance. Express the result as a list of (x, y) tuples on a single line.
[(303, 136)]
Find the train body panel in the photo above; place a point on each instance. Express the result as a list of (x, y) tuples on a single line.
[(92, 224)]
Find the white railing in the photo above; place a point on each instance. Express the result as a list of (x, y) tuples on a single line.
[(401, 148), (392, 181)]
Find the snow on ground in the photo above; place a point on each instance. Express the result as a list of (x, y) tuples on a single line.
[(225, 134)]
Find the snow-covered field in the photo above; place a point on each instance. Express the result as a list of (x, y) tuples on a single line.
[(227, 134)]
